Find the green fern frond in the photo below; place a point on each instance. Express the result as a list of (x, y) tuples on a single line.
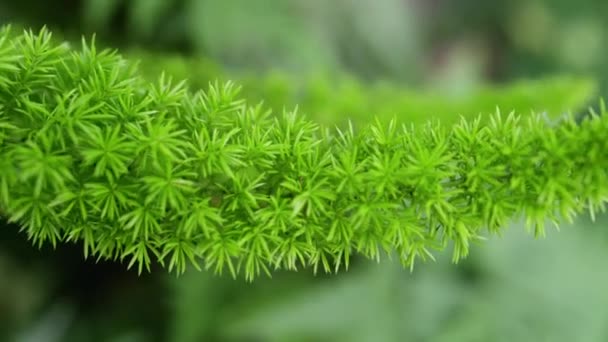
[(333, 98), (149, 172)]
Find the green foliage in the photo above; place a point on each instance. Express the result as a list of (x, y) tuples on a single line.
[(146, 172), (334, 98), (295, 34), (337, 98), (375, 302)]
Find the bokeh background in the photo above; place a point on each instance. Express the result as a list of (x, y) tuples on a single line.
[(338, 60)]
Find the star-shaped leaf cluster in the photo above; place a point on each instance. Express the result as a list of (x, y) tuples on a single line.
[(150, 172)]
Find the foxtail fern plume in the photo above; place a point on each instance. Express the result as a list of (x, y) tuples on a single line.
[(151, 173)]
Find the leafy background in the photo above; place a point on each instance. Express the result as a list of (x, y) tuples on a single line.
[(338, 60)]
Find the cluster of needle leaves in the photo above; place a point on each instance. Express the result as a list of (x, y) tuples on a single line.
[(148, 173), (333, 98)]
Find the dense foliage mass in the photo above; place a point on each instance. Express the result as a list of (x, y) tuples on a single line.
[(92, 152), (335, 98)]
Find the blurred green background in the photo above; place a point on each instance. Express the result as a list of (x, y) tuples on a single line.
[(338, 60)]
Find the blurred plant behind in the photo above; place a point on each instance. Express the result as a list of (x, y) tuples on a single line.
[(338, 60)]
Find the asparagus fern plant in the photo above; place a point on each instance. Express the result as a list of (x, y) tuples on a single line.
[(332, 98), (91, 152)]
